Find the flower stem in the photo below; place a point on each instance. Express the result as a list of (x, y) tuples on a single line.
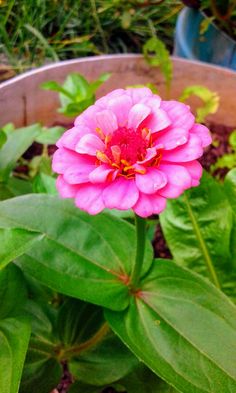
[(140, 248)]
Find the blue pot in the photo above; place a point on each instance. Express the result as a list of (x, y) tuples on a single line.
[(214, 46)]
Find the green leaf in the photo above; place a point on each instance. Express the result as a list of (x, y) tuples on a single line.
[(8, 128), (87, 257), (157, 55), (210, 100), (42, 40), (43, 183), (42, 370), (49, 136), (16, 333), (182, 328), (75, 108), (230, 189), (96, 356), (104, 364), (76, 94), (14, 328), (232, 139), (77, 333), (14, 187), (14, 243), (13, 297), (204, 25), (3, 138), (77, 85), (54, 86), (226, 161), (197, 227), (17, 143), (143, 380), (93, 86)]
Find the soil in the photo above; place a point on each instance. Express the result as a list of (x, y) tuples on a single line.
[(220, 146)]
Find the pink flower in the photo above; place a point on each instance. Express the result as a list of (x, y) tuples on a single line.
[(130, 150)]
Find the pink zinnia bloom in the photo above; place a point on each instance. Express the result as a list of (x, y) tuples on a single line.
[(130, 150)]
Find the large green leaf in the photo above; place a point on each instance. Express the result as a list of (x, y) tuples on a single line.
[(183, 328), (14, 187), (88, 257), (14, 242), (197, 227), (16, 333), (17, 143), (14, 328), (13, 292)]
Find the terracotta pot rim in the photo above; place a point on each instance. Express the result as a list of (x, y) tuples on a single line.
[(92, 59)]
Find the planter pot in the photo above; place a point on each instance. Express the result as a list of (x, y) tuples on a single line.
[(214, 46), (23, 102)]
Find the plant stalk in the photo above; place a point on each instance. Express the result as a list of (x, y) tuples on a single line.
[(65, 354), (140, 224)]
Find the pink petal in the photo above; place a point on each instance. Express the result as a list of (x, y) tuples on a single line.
[(171, 138), (65, 190), (188, 152), (203, 133), (157, 121), (100, 174), (149, 204), (120, 194), (71, 137), (78, 174), (64, 158), (150, 154), (137, 114), (89, 144), (89, 198), (121, 106), (153, 102), (152, 181), (106, 120), (179, 114), (178, 180), (88, 118), (102, 102), (194, 168), (138, 93)]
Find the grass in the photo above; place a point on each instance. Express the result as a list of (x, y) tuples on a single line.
[(34, 32)]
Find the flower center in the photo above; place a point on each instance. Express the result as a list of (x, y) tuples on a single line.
[(126, 144)]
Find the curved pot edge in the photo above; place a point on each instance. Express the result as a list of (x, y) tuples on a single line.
[(63, 63)]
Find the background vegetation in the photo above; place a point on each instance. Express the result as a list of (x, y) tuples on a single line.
[(34, 32)]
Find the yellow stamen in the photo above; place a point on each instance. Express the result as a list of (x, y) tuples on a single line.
[(102, 157), (127, 168), (107, 139), (115, 165), (124, 162), (100, 133), (141, 171)]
